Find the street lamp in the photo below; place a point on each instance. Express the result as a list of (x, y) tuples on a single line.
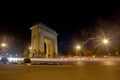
[(105, 41), (30, 48), (4, 49), (3, 45), (29, 51), (78, 47)]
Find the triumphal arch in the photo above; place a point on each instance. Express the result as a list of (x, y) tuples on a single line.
[(43, 41)]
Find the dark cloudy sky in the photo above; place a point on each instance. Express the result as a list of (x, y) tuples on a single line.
[(69, 19)]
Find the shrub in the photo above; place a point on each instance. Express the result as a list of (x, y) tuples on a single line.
[(27, 60), (4, 59)]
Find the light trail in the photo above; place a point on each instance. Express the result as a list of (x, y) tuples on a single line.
[(11, 59)]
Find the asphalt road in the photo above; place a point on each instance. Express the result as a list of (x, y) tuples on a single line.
[(80, 70)]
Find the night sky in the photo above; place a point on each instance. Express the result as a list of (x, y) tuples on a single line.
[(71, 21)]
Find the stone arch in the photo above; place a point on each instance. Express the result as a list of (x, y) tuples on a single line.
[(41, 35)]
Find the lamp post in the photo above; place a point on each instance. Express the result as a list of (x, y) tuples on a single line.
[(106, 42), (30, 48), (4, 49), (78, 47)]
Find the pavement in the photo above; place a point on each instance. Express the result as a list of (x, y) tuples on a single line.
[(80, 70)]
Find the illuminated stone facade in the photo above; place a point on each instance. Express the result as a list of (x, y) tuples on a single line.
[(43, 41)]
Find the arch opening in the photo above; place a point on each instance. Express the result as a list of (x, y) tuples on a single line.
[(45, 45), (48, 48)]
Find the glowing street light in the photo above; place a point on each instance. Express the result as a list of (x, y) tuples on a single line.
[(3, 45), (30, 47), (4, 49), (29, 51), (105, 41), (78, 47)]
